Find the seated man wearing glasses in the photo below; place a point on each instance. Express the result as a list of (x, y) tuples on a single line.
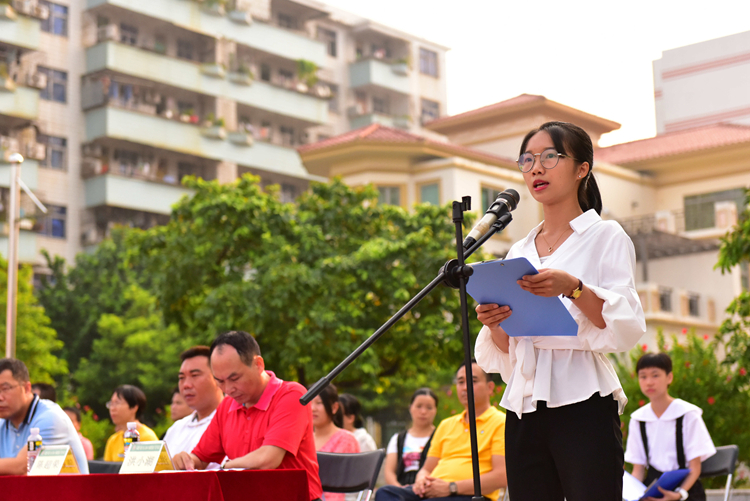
[(20, 411), (260, 424)]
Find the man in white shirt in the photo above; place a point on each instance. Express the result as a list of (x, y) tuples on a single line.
[(199, 389)]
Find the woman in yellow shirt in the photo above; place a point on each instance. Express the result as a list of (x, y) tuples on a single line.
[(126, 405)]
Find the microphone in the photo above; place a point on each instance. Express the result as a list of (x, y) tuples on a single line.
[(503, 204)]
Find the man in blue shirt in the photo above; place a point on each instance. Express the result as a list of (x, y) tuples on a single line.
[(21, 410)]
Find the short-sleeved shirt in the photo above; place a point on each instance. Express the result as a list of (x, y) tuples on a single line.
[(185, 434), (452, 446), (54, 425), (115, 448), (278, 419), (412, 453), (661, 435)]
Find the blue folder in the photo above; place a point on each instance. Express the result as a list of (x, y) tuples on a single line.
[(494, 282), (669, 481)]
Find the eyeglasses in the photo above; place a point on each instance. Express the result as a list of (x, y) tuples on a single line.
[(548, 158), (111, 404), (6, 388)]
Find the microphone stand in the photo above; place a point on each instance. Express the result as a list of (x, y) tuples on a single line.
[(455, 273)]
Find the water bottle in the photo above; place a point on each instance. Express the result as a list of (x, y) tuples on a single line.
[(33, 445), (131, 435)]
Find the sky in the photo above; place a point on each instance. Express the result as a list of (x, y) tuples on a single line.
[(594, 55)]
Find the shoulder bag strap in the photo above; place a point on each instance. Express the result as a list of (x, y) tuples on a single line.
[(645, 439), (400, 453), (678, 441)]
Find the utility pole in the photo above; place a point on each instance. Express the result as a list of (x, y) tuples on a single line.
[(13, 233), (14, 227)]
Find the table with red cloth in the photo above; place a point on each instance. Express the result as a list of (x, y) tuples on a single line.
[(256, 485)]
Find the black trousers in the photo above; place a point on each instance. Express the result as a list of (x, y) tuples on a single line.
[(572, 452)]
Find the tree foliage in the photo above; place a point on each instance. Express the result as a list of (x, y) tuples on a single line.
[(134, 348), (311, 280), (36, 340), (77, 297)]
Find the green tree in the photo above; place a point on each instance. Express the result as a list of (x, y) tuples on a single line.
[(77, 297), (133, 348), (721, 390), (734, 251), (36, 340), (312, 281)]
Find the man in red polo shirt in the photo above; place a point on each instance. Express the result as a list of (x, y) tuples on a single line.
[(260, 424)]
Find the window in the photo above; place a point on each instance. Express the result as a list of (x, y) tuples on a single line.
[(430, 194), (128, 34), (265, 72), (52, 224), (57, 22), (700, 212), (57, 152), (488, 196), (187, 169), (287, 21), (185, 50), (428, 62), (329, 37), (286, 77), (333, 101), (430, 110), (57, 85), (665, 299), (380, 105), (694, 305), (287, 135), (288, 193), (390, 195)]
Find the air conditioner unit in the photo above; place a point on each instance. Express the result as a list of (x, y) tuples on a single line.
[(89, 237), (8, 143), (725, 214), (665, 222), (108, 32), (37, 79), (27, 7), (36, 151), (91, 166), (42, 12), (355, 110)]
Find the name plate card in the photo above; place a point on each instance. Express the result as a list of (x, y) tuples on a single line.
[(147, 457), (55, 460)]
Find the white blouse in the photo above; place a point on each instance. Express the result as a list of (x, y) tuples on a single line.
[(563, 370), (660, 431)]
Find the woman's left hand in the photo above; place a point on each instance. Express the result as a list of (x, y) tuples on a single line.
[(549, 283), (668, 495)]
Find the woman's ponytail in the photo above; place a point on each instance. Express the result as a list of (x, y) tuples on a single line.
[(588, 194)]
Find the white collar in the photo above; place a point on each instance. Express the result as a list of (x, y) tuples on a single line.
[(191, 420), (677, 408), (580, 224)]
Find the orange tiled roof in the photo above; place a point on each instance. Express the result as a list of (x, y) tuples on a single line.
[(674, 143), (378, 134)]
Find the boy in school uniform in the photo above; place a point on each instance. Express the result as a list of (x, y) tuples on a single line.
[(668, 433)]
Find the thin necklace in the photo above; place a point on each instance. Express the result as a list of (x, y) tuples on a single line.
[(549, 247)]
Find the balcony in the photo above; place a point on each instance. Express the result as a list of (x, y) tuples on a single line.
[(373, 72), (192, 76), (366, 119), (20, 32), (190, 15), (29, 173), (131, 193), (140, 128), (27, 251), (22, 102)]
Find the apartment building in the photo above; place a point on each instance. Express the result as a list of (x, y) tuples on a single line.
[(114, 102)]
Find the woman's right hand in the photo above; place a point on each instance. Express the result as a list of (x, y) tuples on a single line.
[(491, 314)]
